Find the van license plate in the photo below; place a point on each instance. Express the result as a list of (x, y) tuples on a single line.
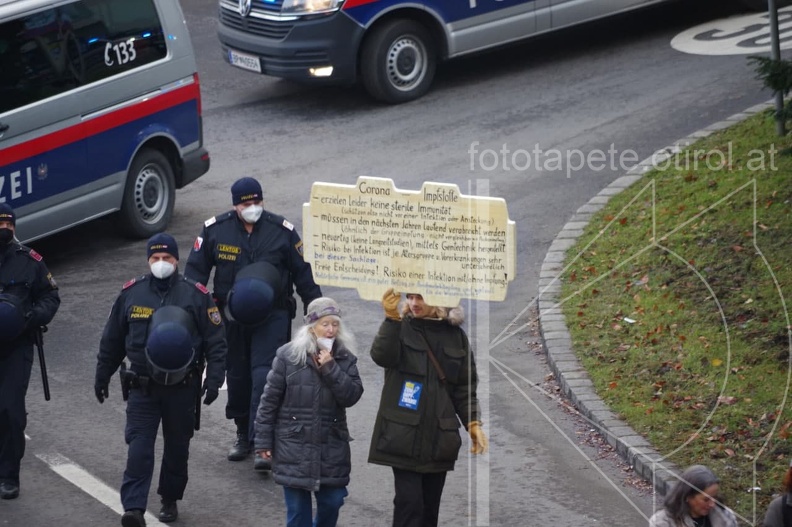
[(244, 61)]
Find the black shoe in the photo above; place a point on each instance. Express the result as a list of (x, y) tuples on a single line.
[(241, 448), (133, 518), (169, 512), (8, 490), (262, 464)]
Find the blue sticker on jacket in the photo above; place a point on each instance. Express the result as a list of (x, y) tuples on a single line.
[(410, 395)]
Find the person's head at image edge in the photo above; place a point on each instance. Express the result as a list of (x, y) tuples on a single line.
[(696, 494), (248, 198), (780, 509), (7, 225), (324, 327)]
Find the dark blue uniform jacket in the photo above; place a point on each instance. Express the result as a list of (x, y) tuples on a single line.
[(225, 244), (24, 276), (126, 330)]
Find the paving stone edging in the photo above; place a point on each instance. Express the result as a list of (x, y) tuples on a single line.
[(570, 374)]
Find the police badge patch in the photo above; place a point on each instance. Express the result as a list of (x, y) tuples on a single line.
[(214, 316), (299, 247)]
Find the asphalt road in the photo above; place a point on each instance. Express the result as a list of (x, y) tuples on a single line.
[(614, 85)]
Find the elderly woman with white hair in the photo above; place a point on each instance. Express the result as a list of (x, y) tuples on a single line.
[(301, 423)]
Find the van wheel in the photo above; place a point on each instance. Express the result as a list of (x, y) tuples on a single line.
[(761, 5), (398, 61), (149, 195)]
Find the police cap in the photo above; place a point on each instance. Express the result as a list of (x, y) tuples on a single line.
[(169, 347), (12, 320), (253, 295)]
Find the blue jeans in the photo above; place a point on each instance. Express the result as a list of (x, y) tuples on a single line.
[(328, 502)]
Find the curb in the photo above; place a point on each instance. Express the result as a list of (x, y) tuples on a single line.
[(557, 342)]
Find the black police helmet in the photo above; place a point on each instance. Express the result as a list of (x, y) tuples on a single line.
[(253, 295), (12, 320), (169, 347)]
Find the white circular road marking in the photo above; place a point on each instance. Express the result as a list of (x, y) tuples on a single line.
[(739, 35)]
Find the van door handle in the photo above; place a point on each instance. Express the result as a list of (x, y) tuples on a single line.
[(3, 128)]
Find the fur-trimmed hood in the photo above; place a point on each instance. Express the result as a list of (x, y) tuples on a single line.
[(454, 315)]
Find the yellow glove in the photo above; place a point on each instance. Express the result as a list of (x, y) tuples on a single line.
[(390, 302), (480, 443)]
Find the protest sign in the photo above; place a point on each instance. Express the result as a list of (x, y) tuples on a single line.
[(434, 241)]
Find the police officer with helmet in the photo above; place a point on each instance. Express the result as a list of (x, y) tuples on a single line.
[(28, 300), (168, 326), (258, 262)]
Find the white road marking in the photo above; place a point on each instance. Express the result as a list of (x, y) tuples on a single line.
[(92, 486), (739, 35)]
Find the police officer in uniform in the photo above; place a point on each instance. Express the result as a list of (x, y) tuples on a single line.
[(168, 327), (230, 243), (28, 300)]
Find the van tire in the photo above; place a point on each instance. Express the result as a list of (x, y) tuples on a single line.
[(398, 61), (149, 195)]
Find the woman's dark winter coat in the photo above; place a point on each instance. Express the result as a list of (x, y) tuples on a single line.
[(302, 419)]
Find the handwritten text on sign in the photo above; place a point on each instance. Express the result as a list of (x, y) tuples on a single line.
[(435, 241)]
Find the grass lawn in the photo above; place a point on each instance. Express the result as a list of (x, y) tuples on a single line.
[(677, 299)]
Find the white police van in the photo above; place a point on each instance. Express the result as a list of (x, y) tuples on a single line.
[(391, 45), (100, 112)]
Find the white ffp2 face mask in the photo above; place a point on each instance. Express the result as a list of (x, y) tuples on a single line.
[(325, 343), (162, 269), (252, 213)]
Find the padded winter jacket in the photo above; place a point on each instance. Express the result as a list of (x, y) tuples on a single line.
[(417, 425), (718, 516), (302, 419)]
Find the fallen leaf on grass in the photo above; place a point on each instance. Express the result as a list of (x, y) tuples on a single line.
[(727, 400)]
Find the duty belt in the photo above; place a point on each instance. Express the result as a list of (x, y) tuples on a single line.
[(131, 379)]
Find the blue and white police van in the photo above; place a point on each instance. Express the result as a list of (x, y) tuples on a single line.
[(100, 113), (393, 46)]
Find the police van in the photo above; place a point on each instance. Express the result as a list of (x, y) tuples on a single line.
[(393, 46), (100, 113)]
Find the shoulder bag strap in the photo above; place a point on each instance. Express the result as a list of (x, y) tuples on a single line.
[(432, 358)]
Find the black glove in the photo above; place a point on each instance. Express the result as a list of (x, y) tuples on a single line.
[(102, 390), (210, 394)]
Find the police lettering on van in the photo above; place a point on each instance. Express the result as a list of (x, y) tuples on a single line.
[(392, 46), (100, 113)]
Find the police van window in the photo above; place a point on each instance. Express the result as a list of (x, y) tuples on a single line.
[(62, 48)]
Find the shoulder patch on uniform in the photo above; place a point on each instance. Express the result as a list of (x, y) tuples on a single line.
[(202, 288), (288, 225), (198, 244), (36, 256), (129, 284), (52, 282), (211, 221), (299, 247)]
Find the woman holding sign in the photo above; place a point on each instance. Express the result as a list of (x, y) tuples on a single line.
[(430, 386), (301, 422)]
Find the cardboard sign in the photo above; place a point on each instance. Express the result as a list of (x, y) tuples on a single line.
[(434, 241)]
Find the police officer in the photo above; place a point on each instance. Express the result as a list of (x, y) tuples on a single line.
[(28, 300), (168, 326), (230, 243)]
